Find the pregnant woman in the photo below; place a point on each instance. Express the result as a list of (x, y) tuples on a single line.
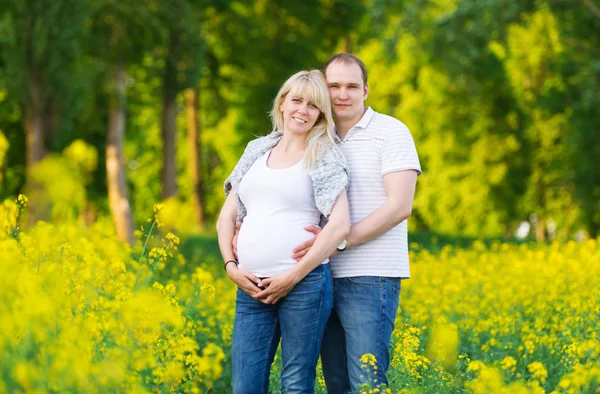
[(290, 179)]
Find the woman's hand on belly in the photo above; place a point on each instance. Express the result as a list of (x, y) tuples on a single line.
[(277, 287), (245, 280)]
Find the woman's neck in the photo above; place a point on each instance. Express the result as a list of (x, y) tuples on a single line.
[(292, 143)]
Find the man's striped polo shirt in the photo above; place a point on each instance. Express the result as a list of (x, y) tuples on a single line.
[(377, 145)]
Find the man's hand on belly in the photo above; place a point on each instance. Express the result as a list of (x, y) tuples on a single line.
[(303, 248)]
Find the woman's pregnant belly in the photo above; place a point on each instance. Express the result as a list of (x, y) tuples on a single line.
[(265, 245)]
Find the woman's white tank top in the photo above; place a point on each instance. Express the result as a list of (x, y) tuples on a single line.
[(280, 203)]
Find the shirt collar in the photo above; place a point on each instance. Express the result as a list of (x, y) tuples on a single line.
[(362, 124), (366, 119)]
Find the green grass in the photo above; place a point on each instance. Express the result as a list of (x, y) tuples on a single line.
[(204, 249)]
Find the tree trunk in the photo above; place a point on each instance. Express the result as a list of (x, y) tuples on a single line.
[(540, 230), (34, 123), (347, 44), (507, 231), (50, 121), (169, 118), (195, 144), (115, 173), (169, 130)]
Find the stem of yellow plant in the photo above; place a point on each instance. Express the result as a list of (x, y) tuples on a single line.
[(137, 272)]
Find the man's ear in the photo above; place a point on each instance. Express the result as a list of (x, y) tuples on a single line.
[(366, 92)]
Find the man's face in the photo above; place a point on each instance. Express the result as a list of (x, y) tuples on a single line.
[(348, 91)]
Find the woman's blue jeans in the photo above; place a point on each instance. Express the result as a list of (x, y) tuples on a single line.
[(299, 319)]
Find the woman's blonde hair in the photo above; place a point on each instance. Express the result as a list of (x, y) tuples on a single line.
[(321, 135)]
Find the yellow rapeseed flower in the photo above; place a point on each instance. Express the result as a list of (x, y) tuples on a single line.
[(538, 371), (22, 200), (509, 364)]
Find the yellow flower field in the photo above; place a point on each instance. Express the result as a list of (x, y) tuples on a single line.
[(516, 318), (82, 312)]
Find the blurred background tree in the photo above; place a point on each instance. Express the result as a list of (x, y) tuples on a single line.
[(502, 100)]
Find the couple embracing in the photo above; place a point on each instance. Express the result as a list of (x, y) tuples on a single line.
[(331, 289)]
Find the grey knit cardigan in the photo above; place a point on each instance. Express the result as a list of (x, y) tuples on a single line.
[(329, 175)]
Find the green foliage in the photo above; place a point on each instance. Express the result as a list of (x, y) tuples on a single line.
[(182, 42), (13, 170), (465, 149), (42, 41), (501, 98), (490, 93), (122, 30), (143, 142), (581, 67), (38, 63)]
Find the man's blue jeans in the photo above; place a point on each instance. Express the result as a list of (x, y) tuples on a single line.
[(298, 319), (361, 322)]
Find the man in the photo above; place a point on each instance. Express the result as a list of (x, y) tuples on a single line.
[(384, 166)]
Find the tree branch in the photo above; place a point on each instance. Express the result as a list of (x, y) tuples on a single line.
[(588, 4)]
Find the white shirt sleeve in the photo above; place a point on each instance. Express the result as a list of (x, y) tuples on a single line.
[(399, 152)]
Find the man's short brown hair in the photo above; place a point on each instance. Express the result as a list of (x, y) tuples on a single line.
[(346, 58)]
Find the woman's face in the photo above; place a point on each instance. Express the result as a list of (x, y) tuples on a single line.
[(299, 114)]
